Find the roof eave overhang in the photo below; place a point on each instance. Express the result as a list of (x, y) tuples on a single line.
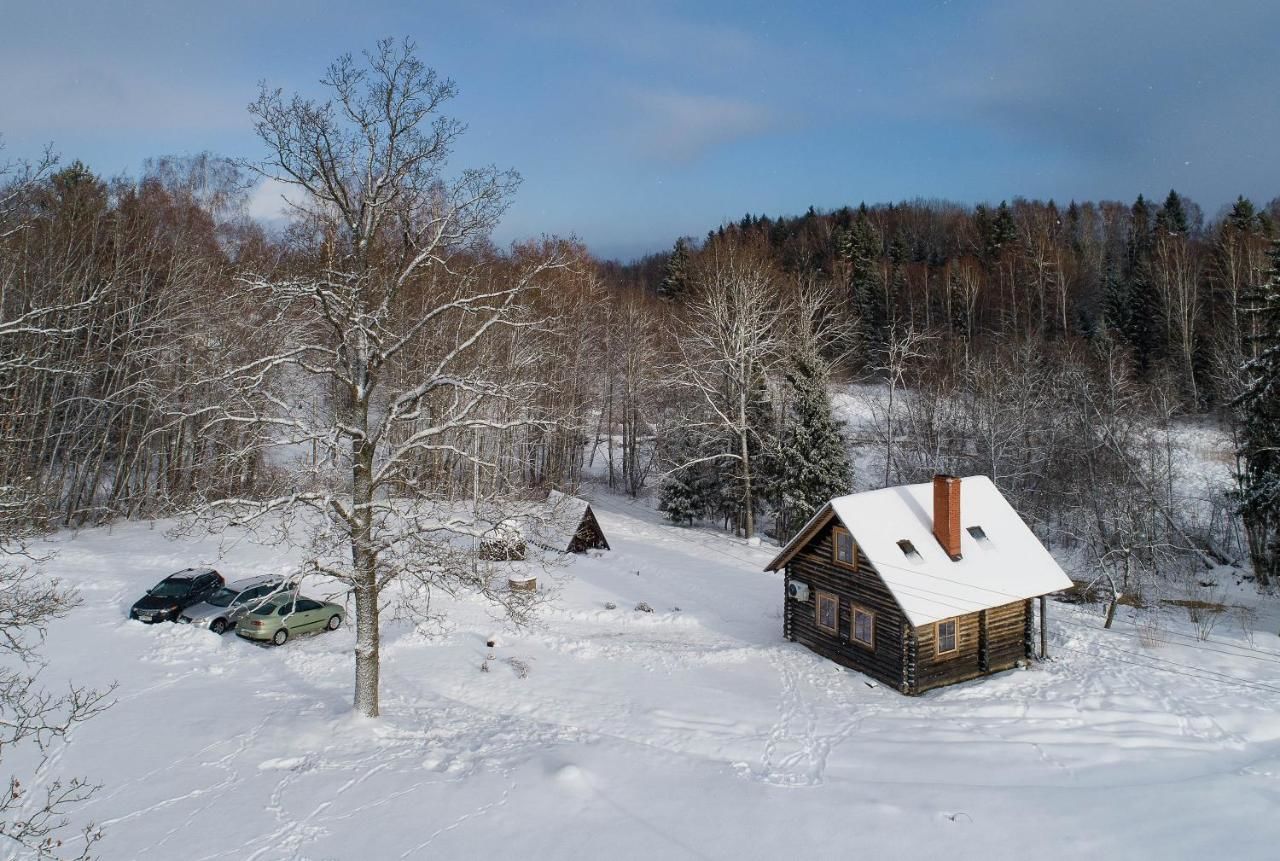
[(820, 519)]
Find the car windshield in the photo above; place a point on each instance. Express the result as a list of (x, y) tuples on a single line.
[(266, 609), (171, 589), (222, 597)]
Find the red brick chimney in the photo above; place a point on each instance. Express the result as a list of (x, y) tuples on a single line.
[(946, 513)]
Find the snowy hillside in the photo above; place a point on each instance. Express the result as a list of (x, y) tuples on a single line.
[(694, 732)]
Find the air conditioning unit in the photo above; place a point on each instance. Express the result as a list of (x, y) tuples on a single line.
[(797, 590)]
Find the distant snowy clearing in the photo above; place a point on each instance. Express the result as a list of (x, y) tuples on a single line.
[(694, 732)]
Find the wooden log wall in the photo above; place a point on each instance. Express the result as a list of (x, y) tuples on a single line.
[(815, 567), (978, 653)]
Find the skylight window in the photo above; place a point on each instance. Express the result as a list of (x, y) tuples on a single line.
[(979, 535), (909, 550)]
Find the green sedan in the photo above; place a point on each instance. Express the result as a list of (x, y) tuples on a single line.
[(281, 618)]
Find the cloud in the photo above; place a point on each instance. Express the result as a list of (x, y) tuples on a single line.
[(671, 34), (676, 126), (113, 99), (1137, 97), (268, 201)]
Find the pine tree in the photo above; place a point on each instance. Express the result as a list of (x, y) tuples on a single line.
[(1259, 412), (675, 281), (811, 463)]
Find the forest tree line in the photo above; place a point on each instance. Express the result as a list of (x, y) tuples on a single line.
[(702, 372), (1050, 348)]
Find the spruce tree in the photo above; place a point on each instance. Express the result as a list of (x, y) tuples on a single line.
[(812, 465), (1144, 312), (998, 231), (1259, 416), (1116, 303), (1172, 217), (1243, 215), (675, 281), (863, 251), (683, 495), (678, 498)]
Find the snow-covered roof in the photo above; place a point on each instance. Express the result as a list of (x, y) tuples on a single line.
[(1006, 565), (559, 521), (550, 524)]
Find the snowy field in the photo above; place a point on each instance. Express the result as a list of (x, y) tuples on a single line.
[(681, 734)]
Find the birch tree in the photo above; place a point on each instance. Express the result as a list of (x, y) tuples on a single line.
[(731, 338), (392, 260)]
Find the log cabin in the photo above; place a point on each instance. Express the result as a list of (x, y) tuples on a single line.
[(918, 586)]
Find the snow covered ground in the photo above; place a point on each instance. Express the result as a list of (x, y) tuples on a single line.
[(685, 733)]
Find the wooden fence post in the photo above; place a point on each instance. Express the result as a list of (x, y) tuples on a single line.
[(1044, 627)]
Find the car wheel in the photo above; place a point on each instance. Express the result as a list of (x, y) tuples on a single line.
[(219, 626), (280, 637), (334, 621)]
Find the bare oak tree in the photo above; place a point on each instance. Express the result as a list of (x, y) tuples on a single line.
[(376, 334)]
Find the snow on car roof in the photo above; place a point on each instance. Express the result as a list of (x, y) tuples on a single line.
[(189, 573), (250, 582), (1005, 563)]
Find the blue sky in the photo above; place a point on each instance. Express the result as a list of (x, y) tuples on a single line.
[(636, 122)]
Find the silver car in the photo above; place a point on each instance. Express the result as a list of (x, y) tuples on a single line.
[(221, 610)]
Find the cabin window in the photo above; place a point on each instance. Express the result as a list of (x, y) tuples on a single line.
[(846, 552), (863, 627), (946, 636), (828, 612)]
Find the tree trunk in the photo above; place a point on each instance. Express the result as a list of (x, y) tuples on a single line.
[(748, 521), (365, 570), (888, 436)]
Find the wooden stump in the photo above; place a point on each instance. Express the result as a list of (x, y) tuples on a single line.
[(522, 584)]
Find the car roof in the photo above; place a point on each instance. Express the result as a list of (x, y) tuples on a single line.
[(289, 598), (250, 582), (190, 573)]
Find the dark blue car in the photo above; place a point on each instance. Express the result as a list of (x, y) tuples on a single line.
[(168, 598)]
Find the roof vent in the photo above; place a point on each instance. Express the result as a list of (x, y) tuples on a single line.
[(979, 535), (909, 550)]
